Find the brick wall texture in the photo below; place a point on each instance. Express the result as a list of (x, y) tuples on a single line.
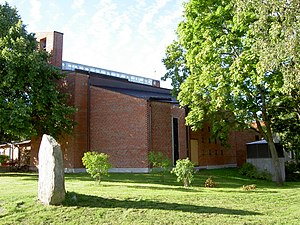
[(127, 128), (119, 127)]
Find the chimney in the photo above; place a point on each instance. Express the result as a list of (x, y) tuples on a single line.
[(51, 42)]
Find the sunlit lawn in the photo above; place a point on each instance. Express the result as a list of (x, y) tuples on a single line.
[(143, 199)]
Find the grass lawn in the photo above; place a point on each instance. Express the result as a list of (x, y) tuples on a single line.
[(143, 199)]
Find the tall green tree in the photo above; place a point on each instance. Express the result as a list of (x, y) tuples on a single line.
[(30, 100), (175, 63), (242, 57)]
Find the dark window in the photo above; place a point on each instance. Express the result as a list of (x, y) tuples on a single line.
[(43, 44), (175, 141)]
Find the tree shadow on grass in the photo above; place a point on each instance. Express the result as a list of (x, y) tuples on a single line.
[(82, 200), (162, 188), (29, 175)]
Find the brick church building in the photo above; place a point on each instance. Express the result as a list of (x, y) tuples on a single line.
[(127, 116)]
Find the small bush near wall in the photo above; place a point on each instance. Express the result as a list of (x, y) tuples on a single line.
[(96, 164), (160, 163), (250, 170), (4, 159), (184, 171)]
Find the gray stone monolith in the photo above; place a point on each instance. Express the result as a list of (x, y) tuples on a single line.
[(51, 186)]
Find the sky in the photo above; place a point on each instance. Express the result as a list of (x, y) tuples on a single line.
[(128, 36)]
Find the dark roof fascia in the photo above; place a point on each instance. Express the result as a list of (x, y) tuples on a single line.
[(100, 75), (101, 80), (148, 95), (124, 86), (166, 100)]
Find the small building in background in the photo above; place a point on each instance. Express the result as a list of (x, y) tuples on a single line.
[(259, 155), (18, 152)]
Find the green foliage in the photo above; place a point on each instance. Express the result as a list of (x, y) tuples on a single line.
[(161, 162), (184, 171), (30, 100), (250, 170), (3, 159), (243, 63), (175, 63), (209, 183), (96, 164), (286, 120), (292, 171)]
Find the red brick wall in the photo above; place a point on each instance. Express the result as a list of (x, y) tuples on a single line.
[(77, 143), (118, 127), (54, 45), (161, 128), (238, 140), (211, 153), (127, 128), (74, 145), (35, 145), (179, 113)]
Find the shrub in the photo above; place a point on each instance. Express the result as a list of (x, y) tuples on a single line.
[(250, 170), (249, 187), (184, 171), (210, 183), (96, 164), (161, 162), (263, 175), (292, 171), (4, 159)]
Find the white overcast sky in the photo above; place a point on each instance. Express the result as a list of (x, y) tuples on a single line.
[(128, 36)]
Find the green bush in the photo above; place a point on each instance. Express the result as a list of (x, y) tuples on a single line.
[(263, 175), (96, 164), (160, 163), (4, 159), (250, 170), (184, 171), (210, 183), (292, 171)]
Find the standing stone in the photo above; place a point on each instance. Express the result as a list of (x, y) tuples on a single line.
[(51, 187)]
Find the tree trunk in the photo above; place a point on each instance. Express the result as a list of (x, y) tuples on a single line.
[(269, 138), (276, 163)]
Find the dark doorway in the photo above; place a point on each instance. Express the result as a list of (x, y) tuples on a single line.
[(175, 141)]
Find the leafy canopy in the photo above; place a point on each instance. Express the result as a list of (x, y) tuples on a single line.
[(30, 100), (243, 60)]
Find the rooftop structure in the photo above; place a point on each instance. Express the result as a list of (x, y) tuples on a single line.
[(53, 43), (131, 78)]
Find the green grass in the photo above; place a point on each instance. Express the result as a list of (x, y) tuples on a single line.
[(143, 199)]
